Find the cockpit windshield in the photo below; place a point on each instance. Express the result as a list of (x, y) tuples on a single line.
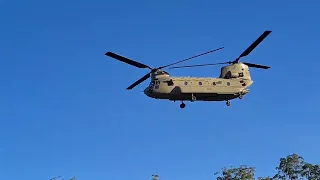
[(151, 84)]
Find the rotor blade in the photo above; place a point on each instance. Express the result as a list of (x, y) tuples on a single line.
[(191, 58), (256, 65), (139, 81), (198, 65), (126, 60), (255, 44)]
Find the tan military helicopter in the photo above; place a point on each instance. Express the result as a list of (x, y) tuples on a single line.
[(233, 82)]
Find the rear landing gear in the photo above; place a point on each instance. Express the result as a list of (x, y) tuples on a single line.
[(182, 105), (193, 98), (228, 103)]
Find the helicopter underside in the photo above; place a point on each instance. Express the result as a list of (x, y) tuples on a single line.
[(196, 96)]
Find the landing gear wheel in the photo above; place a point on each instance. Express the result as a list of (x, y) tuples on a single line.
[(182, 105), (193, 98), (228, 103)]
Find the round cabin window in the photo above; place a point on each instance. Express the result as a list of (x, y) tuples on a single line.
[(214, 83), (200, 83), (186, 83), (228, 83)]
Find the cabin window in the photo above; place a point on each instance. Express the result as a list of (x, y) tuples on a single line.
[(186, 83), (228, 83), (241, 74), (200, 83), (214, 83), (170, 83)]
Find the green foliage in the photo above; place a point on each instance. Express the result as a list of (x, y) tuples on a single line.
[(265, 178), (290, 167), (293, 167), (243, 172)]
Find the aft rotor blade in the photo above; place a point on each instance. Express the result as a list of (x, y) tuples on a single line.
[(139, 81), (126, 60), (256, 65), (255, 44), (190, 58), (198, 65)]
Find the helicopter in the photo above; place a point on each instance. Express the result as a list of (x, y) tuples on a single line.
[(234, 80)]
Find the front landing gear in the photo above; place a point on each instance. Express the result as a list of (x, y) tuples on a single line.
[(228, 103), (182, 105), (240, 96)]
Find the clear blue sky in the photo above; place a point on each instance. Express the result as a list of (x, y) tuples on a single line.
[(64, 109)]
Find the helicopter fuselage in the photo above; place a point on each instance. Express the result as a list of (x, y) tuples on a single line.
[(204, 89), (233, 82)]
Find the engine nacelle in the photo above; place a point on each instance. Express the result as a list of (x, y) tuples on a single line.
[(237, 70)]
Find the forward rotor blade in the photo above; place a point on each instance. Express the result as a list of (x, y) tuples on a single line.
[(198, 65), (126, 60), (139, 81), (255, 44), (256, 65), (190, 58)]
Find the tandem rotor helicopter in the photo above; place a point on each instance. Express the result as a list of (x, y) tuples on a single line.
[(233, 82)]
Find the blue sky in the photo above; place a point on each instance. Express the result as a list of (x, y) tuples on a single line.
[(65, 110)]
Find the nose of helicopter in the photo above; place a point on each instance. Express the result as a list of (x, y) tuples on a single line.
[(147, 92)]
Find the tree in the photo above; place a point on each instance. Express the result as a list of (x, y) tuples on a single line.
[(311, 172), (290, 167), (234, 173), (293, 167)]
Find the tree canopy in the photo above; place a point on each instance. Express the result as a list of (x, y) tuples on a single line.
[(292, 167)]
